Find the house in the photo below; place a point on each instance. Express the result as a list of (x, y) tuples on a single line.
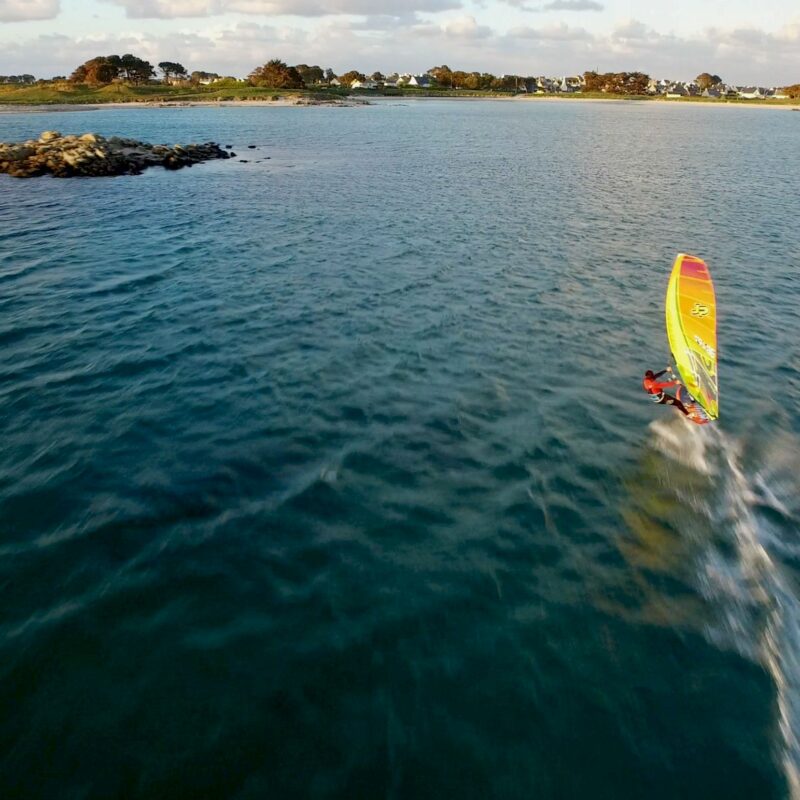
[(420, 81), (712, 91), (677, 90), (335, 82), (776, 94), (547, 85), (564, 86), (751, 93), (365, 84), (657, 87)]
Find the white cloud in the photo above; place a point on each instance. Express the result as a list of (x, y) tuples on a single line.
[(558, 5), (169, 9), (25, 10), (739, 55), (465, 27), (552, 33), (573, 5), (633, 30)]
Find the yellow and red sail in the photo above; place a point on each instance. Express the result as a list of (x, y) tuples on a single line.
[(692, 330)]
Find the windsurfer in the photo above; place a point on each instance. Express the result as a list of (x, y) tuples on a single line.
[(656, 389)]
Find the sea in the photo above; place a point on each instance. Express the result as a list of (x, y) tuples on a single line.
[(326, 470)]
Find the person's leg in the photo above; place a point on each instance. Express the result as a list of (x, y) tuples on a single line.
[(681, 407), (673, 401)]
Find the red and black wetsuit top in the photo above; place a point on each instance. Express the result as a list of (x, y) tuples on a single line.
[(655, 388)]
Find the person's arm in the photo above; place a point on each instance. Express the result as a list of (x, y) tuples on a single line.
[(659, 374), (667, 384)]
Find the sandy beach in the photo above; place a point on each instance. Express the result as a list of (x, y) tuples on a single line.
[(350, 102)]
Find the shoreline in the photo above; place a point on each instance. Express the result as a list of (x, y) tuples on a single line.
[(365, 100), (283, 102)]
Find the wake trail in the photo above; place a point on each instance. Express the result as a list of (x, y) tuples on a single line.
[(760, 611), (779, 642)]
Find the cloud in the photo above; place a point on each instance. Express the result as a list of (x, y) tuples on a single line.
[(170, 9), (465, 27), (573, 5), (552, 33), (739, 55), (558, 5), (26, 10), (634, 31)]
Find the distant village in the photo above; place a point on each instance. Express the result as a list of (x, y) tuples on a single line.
[(576, 84)]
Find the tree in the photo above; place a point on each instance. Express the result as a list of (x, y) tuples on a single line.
[(349, 77), (635, 83), (23, 80), (442, 75), (793, 91), (472, 80), (508, 83), (172, 69), (329, 75), (310, 75), (136, 70), (198, 75), (591, 81), (96, 71), (458, 79), (616, 82), (705, 80), (378, 77), (276, 75)]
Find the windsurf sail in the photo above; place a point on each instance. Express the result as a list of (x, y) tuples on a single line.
[(692, 330)]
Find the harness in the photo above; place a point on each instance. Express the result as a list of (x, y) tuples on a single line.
[(657, 397)]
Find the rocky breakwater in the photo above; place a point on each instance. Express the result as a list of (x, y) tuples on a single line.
[(92, 155)]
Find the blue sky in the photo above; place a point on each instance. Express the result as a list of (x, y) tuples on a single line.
[(740, 40)]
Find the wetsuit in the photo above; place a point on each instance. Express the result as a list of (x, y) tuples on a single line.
[(657, 394)]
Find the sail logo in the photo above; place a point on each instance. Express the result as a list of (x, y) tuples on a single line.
[(710, 351), (699, 310)]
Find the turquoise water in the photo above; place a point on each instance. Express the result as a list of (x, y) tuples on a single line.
[(329, 474)]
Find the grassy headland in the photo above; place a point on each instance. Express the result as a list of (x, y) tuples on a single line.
[(62, 93)]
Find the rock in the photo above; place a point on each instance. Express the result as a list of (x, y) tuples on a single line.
[(93, 155), (251, 147)]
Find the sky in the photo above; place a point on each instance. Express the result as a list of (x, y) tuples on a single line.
[(742, 41)]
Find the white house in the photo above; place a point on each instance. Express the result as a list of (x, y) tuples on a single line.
[(751, 93), (565, 87), (777, 94), (422, 81), (365, 84)]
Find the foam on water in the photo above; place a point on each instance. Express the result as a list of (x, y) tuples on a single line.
[(760, 612)]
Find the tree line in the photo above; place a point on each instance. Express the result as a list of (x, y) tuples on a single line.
[(277, 74), (18, 80)]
